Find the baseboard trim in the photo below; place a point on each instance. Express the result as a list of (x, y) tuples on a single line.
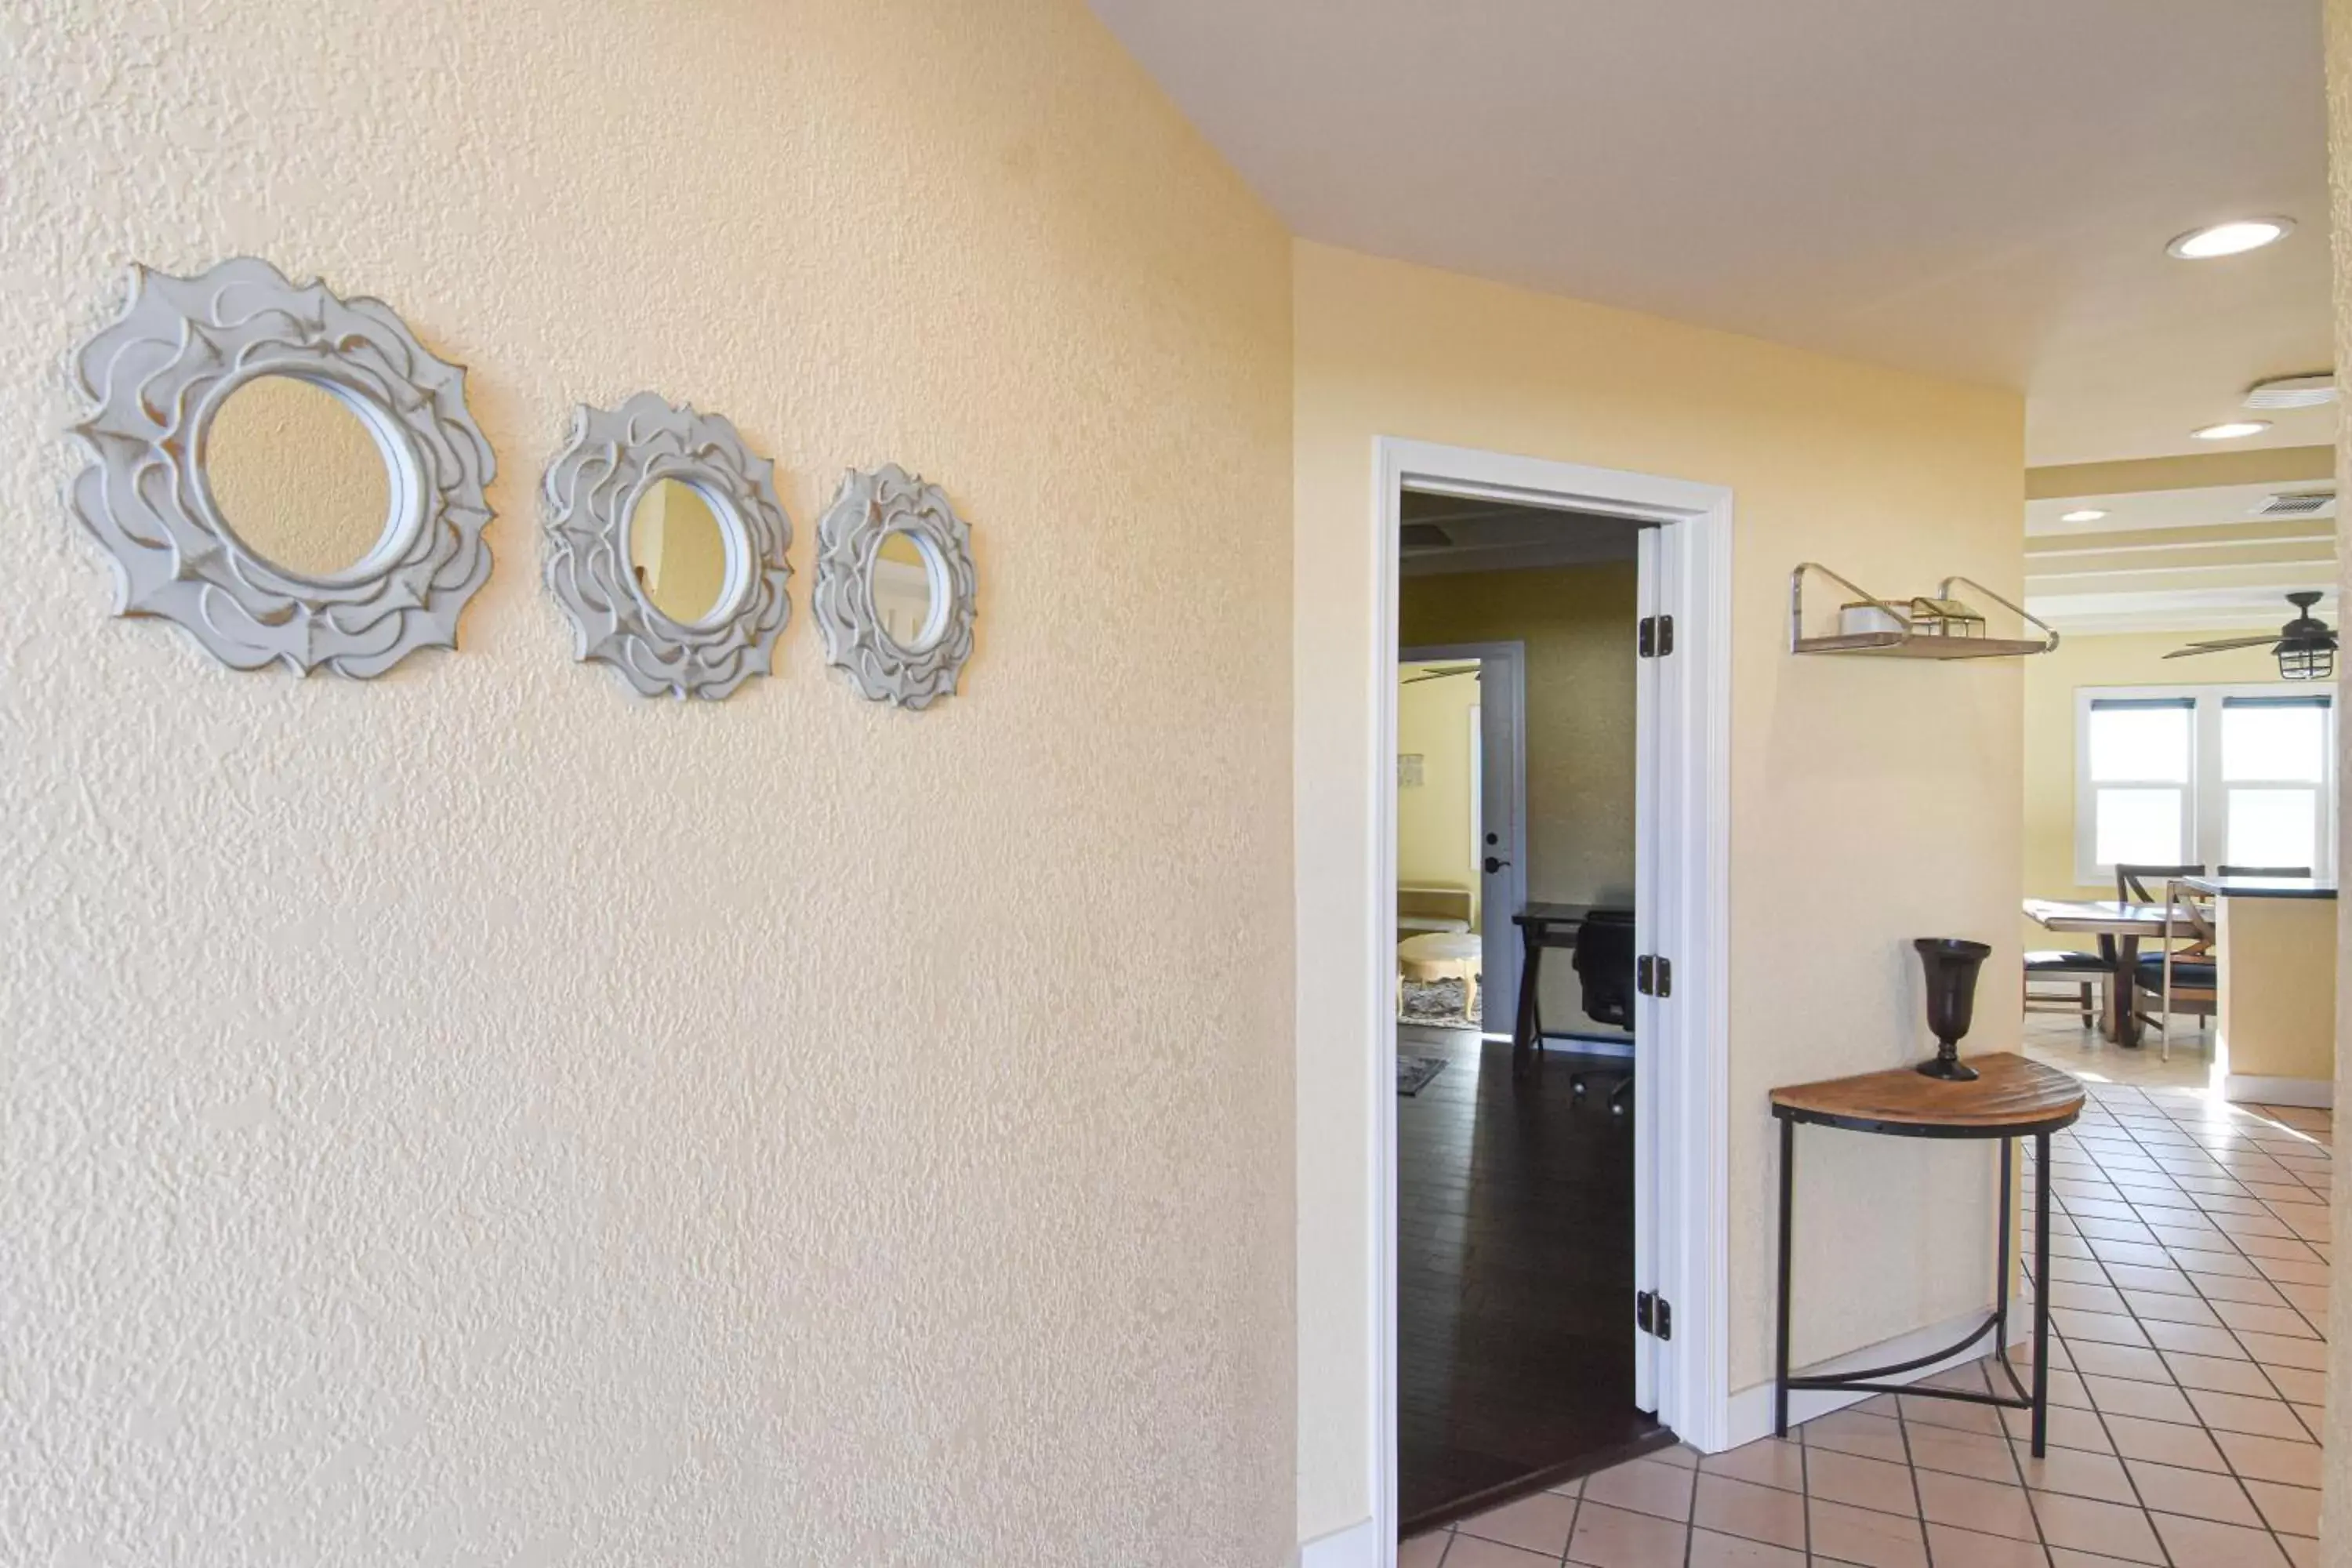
[(1750, 1413), (2245, 1088), (1357, 1546)]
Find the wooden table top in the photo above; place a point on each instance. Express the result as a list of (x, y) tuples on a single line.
[(2100, 916), (2010, 1095)]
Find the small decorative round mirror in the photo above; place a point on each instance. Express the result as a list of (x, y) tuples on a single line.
[(896, 591), (910, 590), (299, 476), (689, 563)]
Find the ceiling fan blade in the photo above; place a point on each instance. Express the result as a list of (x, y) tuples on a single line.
[(2197, 647)]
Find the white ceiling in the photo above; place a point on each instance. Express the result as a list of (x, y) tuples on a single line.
[(2186, 557), (1975, 188)]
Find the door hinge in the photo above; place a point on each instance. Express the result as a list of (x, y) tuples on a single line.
[(1654, 636), (1652, 1316), (1653, 975)]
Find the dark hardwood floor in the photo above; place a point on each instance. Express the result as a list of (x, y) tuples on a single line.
[(1515, 1278)]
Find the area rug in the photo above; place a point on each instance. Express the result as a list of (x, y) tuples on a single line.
[(1439, 1003), (1413, 1073)]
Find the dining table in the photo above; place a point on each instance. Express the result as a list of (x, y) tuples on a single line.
[(2120, 927)]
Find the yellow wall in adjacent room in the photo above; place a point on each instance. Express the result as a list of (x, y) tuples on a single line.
[(1874, 800), (1577, 623), (1434, 817), (480, 1115)]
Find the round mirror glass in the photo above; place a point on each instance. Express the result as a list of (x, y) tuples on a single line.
[(910, 590), (679, 549), (296, 475)]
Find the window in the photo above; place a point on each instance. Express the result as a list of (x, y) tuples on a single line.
[(2218, 775)]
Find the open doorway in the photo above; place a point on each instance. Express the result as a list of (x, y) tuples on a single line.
[(1516, 771), (1608, 1249)]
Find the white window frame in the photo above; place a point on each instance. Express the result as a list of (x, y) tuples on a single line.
[(2209, 796)]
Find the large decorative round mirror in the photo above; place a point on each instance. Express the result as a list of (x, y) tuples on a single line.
[(298, 475), (896, 591), (666, 547), (287, 474)]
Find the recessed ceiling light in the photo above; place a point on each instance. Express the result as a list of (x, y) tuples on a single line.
[(2233, 238), (2293, 391), (2231, 431), (2088, 514)]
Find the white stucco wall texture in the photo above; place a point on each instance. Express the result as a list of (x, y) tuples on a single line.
[(480, 1116)]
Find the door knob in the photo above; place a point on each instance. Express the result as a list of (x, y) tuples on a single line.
[(1494, 865)]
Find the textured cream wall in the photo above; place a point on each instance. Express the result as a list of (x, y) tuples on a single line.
[(2336, 1504), (1874, 800), (482, 1116)]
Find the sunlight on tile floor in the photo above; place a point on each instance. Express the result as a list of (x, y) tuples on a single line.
[(2189, 1264)]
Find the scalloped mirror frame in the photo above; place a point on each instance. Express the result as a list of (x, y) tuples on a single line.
[(592, 488), (156, 377), (870, 506)]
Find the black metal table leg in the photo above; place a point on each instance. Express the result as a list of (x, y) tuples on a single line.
[(2007, 1217), (2041, 1291), (1788, 1206), (1525, 1032)]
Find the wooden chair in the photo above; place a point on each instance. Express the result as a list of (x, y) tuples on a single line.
[(2132, 882), (2184, 979), (2084, 974)]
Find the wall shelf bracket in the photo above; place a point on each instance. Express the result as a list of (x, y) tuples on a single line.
[(1906, 633)]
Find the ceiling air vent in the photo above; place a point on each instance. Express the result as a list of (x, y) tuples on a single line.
[(2296, 503), (1423, 536), (2292, 391)]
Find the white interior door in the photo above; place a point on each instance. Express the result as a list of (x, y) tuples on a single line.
[(1502, 828), (1499, 769), (1647, 924)]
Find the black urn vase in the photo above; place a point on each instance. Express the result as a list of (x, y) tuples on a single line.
[(1951, 965)]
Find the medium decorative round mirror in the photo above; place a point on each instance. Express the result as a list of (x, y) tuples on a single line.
[(666, 547), (896, 591), (289, 474), (909, 583), (688, 564)]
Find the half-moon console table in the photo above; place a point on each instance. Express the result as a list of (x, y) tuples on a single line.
[(2011, 1098)]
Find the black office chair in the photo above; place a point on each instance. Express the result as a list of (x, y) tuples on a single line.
[(1604, 965)]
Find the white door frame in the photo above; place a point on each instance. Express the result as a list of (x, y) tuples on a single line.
[(1512, 657), (1687, 906)]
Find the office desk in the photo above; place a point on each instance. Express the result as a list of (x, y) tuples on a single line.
[(1541, 926)]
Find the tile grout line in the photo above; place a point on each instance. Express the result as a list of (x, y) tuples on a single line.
[(2237, 1338), (2122, 1463), (2230, 1469)]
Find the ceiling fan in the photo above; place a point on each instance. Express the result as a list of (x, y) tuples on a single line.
[(2305, 646)]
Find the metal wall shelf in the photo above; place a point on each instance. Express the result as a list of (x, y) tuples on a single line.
[(1909, 642)]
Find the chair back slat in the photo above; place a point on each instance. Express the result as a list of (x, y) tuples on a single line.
[(2134, 882)]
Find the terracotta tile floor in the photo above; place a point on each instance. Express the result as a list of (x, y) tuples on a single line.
[(2190, 1265)]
